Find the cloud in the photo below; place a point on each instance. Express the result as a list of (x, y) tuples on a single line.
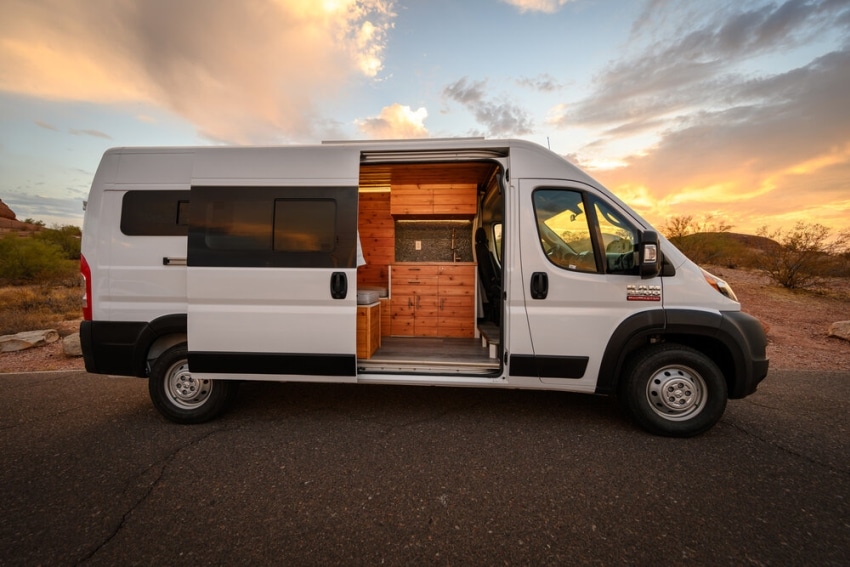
[(93, 133), (543, 82), (502, 118), (545, 6), (50, 210), (696, 119), (46, 126), (396, 121), (671, 75), (242, 72), (788, 152)]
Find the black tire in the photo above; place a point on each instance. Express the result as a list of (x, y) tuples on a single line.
[(181, 398), (674, 390)]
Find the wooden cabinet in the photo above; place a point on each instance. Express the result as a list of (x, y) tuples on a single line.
[(413, 291), (456, 295), (445, 200), (368, 329), (435, 300)]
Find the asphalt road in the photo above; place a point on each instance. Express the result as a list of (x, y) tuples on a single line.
[(367, 475)]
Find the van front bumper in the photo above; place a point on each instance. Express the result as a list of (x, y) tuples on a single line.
[(748, 333)]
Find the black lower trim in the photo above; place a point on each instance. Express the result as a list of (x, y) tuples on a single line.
[(121, 347), (108, 347), (273, 363), (571, 367)]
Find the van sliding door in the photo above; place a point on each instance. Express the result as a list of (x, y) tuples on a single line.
[(272, 281)]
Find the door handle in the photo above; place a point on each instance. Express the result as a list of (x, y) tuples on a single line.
[(339, 285), (539, 285)]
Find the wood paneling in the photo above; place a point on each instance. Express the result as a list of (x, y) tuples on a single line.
[(434, 200), (377, 238)]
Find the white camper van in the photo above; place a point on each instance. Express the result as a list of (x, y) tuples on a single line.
[(462, 262)]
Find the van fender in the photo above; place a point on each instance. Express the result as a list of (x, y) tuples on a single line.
[(634, 332), (732, 339), (158, 336)]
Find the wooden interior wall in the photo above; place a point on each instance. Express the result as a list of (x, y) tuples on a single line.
[(377, 237)]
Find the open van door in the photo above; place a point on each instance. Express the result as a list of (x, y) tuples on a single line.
[(272, 273), (582, 272)]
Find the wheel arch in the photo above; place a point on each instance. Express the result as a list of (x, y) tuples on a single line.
[(158, 336), (728, 338)]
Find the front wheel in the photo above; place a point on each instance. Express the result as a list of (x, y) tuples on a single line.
[(674, 390), (181, 397)]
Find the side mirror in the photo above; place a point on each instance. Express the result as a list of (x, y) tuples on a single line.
[(649, 255)]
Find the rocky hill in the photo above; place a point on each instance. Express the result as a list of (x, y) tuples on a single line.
[(9, 221)]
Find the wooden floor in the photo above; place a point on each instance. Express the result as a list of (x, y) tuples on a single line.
[(430, 355)]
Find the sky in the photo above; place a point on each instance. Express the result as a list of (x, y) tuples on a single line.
[(735, 113)]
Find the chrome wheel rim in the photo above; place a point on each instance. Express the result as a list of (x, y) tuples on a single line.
[(676, 393), (185, 391)]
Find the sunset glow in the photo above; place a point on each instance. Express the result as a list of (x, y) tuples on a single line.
[(724, 110)]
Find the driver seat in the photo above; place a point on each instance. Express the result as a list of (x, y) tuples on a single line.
[(491, 277)]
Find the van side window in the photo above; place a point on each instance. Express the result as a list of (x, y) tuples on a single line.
[(304, 225), (273, 227), (155, 213), (618, 238), (563, 229)]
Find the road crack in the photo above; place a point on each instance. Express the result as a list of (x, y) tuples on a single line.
[(148, 480)]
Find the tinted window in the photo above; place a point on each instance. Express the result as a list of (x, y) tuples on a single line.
[(238, 224), (155, 213), (302, 225), (273, 227)]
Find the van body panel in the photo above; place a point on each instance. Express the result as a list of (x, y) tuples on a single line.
[(269, 310), (279, 166), (688, 290)]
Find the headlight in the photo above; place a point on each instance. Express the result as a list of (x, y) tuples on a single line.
[(719, 285)]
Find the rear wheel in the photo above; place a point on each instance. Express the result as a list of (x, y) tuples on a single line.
[(674, 390), (181, 397)]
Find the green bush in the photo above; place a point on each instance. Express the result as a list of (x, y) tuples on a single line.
[(66, 237), (34, 260)]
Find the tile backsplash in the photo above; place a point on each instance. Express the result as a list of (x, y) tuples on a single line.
[(435, 238)]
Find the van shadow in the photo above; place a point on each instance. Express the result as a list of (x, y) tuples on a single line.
[(406, 404)]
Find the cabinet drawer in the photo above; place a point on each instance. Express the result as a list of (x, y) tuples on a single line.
[(414, 287), (414, 272)]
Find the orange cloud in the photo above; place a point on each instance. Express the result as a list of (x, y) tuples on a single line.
[(396, 121), (242, 72)]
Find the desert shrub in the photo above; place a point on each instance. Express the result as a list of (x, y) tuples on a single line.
[(33, 260), (805, 256), (707, 241), (30, 308), (66, 237)]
